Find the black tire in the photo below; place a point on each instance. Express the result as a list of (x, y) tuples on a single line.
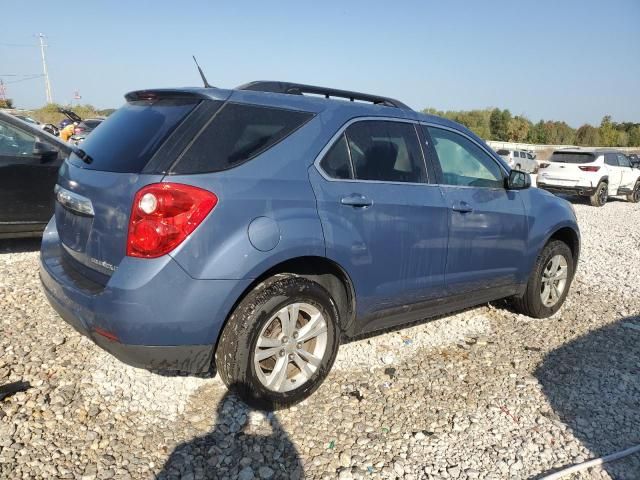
[(634, 196), (600, 196), (518, 167), (530, 303), (235, 352)]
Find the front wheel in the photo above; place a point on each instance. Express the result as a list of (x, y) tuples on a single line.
[(549, 282), (600, 196), (279, 343), (634, 196)]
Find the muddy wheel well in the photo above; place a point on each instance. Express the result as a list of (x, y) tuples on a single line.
[(570, 238)]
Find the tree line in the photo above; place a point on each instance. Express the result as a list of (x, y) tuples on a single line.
[(497, 124)]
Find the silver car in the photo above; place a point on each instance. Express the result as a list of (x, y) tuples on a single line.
[(519, 160)]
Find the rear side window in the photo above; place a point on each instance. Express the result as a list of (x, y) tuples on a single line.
[(386, 151), (126, 141), (572, 157), (336, 162), (237, 134)]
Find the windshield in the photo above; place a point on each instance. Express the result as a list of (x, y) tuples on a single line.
[(572, 157)]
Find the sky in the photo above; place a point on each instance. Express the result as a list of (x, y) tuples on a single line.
[(563, 60)]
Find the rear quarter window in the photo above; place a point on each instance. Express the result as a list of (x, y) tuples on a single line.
[(236, 134)]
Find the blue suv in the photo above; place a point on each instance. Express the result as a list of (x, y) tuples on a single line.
[(252, 230)]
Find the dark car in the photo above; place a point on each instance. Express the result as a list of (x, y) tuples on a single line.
[(29, 162), (254, 229), (84, 128)]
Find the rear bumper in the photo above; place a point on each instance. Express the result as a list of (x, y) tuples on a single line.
[(150, 314), (567, 190)]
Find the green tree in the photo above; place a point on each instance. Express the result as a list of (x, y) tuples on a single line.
[(6, 103), (499, 124), (518, 129), (634, 136), (588, 135), (608, 132)]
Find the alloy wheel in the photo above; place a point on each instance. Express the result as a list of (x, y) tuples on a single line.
[(290, 347), (554, 280)]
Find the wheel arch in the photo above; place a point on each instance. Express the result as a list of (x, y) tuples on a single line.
[(570, 237), (320, 269)]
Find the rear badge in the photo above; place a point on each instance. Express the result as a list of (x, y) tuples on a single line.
[(103, 264)]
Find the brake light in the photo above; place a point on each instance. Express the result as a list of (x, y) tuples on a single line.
[(163, 215), (543, 165), (588, 168)]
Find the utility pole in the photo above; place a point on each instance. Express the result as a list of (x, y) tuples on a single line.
[(47, 85)]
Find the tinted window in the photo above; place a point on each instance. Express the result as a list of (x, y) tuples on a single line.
[(463, 162), (572, 157), (503, 152), (127, 140), (336, 162), (386, 151), (238, 133), (623, 161), (611, 159)]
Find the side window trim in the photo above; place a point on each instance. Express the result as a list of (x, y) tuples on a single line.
[(505, 173), (342, 131)]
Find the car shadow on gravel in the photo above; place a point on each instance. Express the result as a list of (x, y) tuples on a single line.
[(244, 443), (593, 386), (19, 245)]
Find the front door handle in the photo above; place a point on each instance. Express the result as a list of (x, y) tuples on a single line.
[(356, 200), (462, 207)]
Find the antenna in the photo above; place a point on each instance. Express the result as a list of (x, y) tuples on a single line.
[(204, 79)]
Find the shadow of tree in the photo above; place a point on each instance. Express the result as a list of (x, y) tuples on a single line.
[(593, 385), (244, 443)]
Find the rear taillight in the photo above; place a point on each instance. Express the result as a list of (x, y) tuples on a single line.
[(163, 215), (543, 165), (588, 169)]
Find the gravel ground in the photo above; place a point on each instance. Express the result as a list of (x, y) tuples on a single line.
[(485, 393)]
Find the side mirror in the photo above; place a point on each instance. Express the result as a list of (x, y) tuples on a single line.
[(518, 180), (45, 152)]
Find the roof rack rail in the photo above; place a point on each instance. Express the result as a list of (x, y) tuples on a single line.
[(301, 89)]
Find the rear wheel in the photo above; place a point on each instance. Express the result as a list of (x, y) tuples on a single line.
[(518, 167), (600, 196), (634, 196), (279, 343), (549, 282)]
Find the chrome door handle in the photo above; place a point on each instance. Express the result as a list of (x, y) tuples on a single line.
[(356, 200), (462, 207)]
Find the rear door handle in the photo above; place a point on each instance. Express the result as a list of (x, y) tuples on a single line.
[(462, 207), (356, 200)]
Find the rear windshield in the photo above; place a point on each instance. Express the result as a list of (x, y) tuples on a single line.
[(126, 141), (572, 157), (236, 134), (503, 152), (91, 123)]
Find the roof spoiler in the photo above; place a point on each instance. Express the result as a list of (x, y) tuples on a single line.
[(159, 93), (301, 89)]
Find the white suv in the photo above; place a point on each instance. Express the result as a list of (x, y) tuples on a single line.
[(594, 173)]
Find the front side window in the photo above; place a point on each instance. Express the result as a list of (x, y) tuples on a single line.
[(463, 162), (386, 151), (623, 161), (611, 159), (239, 133), (15, 142)]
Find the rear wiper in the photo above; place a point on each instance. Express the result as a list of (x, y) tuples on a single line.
[(84, 156)]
